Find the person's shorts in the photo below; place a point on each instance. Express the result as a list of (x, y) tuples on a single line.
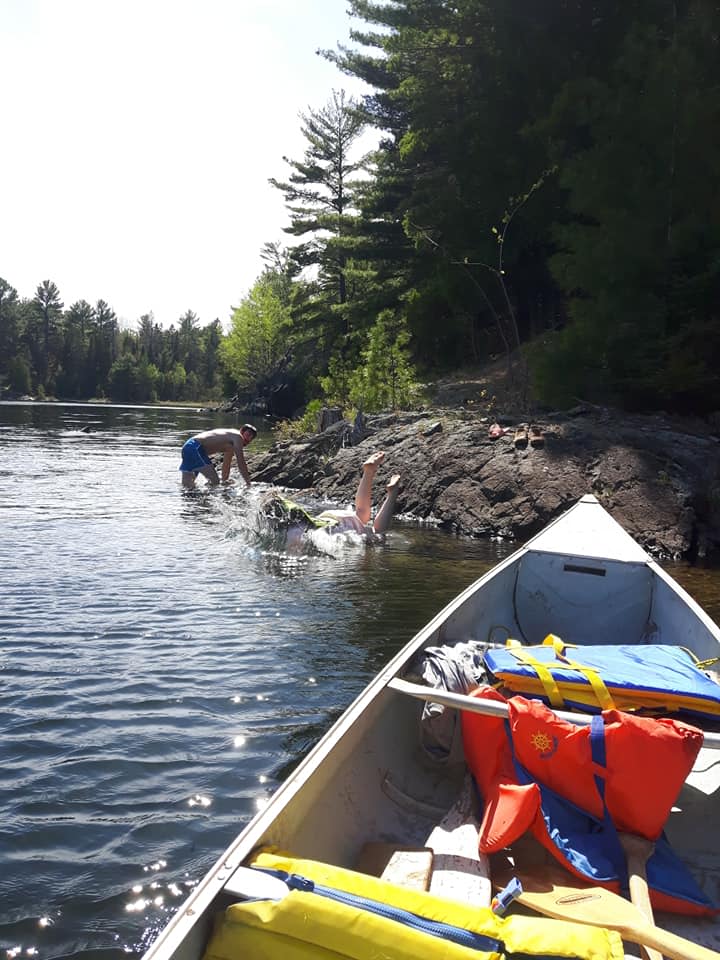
[(194, 457)]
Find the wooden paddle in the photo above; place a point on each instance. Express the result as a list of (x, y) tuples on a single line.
[(638, 851), (552, 892)]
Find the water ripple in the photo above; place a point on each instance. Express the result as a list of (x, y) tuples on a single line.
[(162, 668)]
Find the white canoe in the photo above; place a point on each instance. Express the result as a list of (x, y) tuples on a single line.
[(582, 578)]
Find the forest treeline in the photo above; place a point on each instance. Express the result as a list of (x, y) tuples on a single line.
[(82, 353), (546, 187)]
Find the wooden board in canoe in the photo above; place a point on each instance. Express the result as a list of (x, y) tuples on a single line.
[(367, 781)]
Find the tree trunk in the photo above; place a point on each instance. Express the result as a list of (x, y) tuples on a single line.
[(329, 416)]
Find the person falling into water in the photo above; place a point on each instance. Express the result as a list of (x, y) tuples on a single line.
[(286, 515), (196, 453)]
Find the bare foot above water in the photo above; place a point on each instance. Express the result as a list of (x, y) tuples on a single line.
[(374, 460)]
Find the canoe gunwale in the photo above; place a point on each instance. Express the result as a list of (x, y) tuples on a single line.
[(186, 928)]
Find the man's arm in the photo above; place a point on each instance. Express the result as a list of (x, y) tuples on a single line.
[(242, 466), (227, 463)]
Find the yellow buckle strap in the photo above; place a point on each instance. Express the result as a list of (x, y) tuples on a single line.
[(558, 645), (552, 691), (704, 664), (550, 685), (602, 694)]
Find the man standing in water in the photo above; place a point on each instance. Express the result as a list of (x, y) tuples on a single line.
[(196, 453)]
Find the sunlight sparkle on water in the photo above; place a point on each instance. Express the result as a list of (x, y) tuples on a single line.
[(239, 741), (199, 800), (136, 905)]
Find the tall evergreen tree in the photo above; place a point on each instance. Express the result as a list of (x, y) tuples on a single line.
[(455, 152), (640, 248), (48, 308), (320, 197), (10, 332), (79, 318)]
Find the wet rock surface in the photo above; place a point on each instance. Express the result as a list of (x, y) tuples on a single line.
[(658, 477)]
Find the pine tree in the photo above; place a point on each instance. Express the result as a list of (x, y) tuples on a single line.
[(321, 198)]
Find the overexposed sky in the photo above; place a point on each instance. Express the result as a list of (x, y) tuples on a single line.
[(137, 141)]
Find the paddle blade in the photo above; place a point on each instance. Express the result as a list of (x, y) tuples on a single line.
[(551, 892)]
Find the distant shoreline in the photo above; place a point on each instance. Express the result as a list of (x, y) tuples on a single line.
[(104, 402)]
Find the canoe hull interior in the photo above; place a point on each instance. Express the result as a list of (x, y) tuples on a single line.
[(368, 779)]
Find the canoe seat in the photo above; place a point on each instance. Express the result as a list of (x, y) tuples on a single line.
[(460, 871), (407, 866), (591, 602), (449, 865)]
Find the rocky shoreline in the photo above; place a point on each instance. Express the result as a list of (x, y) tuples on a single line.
[(659, 477)]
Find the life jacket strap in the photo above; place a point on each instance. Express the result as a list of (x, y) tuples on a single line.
[(550, 685)]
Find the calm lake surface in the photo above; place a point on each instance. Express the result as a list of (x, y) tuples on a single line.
[(163, 668)]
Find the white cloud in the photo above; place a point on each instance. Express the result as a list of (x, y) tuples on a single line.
[(139, 138)]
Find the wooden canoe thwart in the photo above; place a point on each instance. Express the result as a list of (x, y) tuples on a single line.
[(379, 801)]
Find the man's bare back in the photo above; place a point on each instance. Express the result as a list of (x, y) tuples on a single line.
[(216, 441), (197, 451)]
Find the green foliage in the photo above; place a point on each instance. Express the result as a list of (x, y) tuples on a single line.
[(384, 379), (387, 378), (337, 385), (639, 251), (10, 324), (174, 383), (81, 353), (133, 380), (612, 263), (568, 367), (256, 350), (322, 201), (307, 423), (18, 373)]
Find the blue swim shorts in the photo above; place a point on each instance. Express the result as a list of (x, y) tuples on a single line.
[(194, 457)]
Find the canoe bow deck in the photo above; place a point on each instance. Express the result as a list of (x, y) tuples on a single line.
[(584, 579)]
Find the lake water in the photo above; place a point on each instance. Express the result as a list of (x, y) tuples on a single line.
[(163, 669)]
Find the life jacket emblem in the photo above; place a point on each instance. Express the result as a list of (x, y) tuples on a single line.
[(545, 745)]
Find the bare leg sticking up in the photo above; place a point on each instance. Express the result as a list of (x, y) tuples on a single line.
[(386, 511), (363, 497)]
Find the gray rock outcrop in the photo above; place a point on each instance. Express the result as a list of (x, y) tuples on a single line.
[(659, 478)]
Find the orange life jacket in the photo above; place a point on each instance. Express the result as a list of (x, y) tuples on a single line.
[(574, 787)]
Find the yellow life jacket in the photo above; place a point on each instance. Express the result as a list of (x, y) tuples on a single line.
[(307, 925)]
